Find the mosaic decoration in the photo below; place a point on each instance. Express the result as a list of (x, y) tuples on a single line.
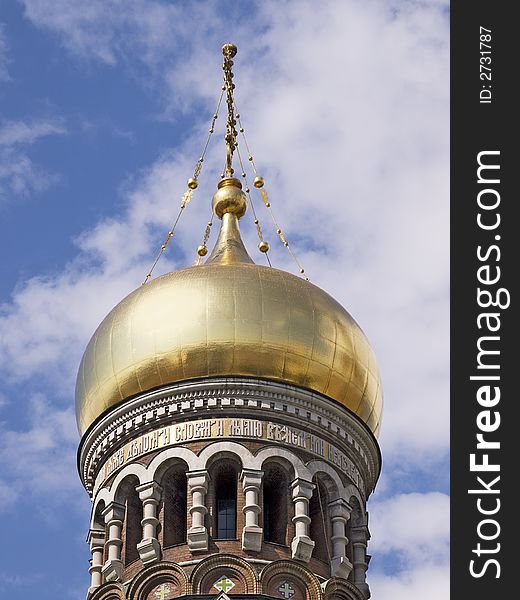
[(224, 584), (162, 591), (286, 590)]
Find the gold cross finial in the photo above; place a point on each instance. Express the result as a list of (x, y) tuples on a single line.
[(229, 51)]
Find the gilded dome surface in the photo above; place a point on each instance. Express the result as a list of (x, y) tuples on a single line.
[(228, 317)]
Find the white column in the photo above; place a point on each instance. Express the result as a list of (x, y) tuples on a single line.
[(252, 532), (198, 538), (302, 546), (339, 512), (359, 535), (149, 548), (96, 541), (113, 514)]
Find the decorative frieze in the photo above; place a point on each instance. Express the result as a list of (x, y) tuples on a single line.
[(212, 429), (292, 405)]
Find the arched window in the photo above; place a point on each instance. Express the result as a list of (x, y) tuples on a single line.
[(319, 527), (224, 477), (132, 528), (175, 494), (275, 492)]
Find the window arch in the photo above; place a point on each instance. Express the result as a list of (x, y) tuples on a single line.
[(225, 476), (275, 510), (319, 526), (175, 506)]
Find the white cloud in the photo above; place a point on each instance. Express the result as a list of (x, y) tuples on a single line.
[(427, 583), (19, 175), (414, 526), (8, 495), (412, 531), (25, 456), (13, 133)]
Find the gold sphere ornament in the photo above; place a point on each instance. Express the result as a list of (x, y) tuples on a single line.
[(229, 50), (202, 250), (258, 182), (263, 246), (229, 198), (193, 184)]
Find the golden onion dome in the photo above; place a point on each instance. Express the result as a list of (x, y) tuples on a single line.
[(228, 317)]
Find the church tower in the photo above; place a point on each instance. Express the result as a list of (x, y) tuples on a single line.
[(229, 414)]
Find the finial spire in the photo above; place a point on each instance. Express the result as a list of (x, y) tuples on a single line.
[(229, 51)]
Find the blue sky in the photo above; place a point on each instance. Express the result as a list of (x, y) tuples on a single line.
[(104, 108)]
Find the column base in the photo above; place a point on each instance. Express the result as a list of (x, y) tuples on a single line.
[(302, 548), (340, 567), (198, 539), (149, 550), (113, 570), (252, 538)]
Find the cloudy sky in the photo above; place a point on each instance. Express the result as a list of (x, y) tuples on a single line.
[(104, 110)]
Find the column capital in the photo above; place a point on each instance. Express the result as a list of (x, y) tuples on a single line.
[(302, 488), (198, 479), (340, 509), (251, 477), (149, 491), (113, 512), (96, 538)]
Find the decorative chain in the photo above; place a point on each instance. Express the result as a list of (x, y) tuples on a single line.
[(259, 184), (202, 250), (263, 246), (192, 186)]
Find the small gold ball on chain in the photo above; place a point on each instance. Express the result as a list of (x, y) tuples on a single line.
[(243, 174), (247, 190), (237, 116), (278, 231), (263, 246), (163, 247), (241, 130), (193, 184), (256, 221), (202, 250), (258, 182), (286, 244), (211, 130), (302, 270), (250, 157)]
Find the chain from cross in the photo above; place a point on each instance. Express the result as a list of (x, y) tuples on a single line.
[(161, 591), (224, 584), (286, 590)]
